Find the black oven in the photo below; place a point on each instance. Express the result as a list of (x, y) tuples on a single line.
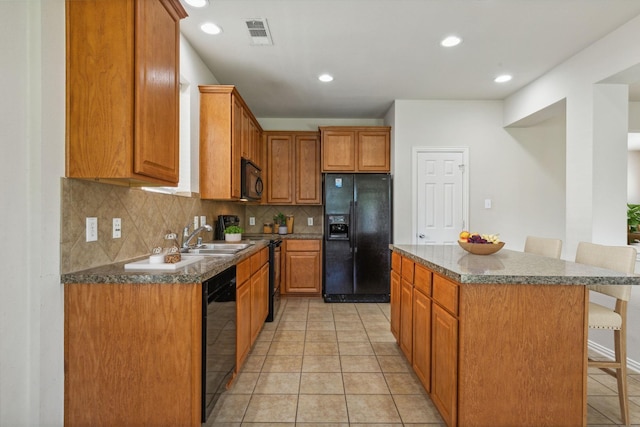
[(218, 337)]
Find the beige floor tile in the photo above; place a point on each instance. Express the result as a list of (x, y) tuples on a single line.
[(379, 425), (321, 326), (347, 325), (321, 348), (323, 424), (266, 335), (321, 383), (350, 336), (286, 348), (217, 424), (321, 364), (394, 364), (386, 348), (230, 408), (320, 317), (272, 408), (253, 363), (261, 348), (359, 364), (416, 408), (320, 336), (322, 408), (372, 409), (278, 383), (244, 383), (298, 316), (356, 348), (364, 383), (285, 335), (282, 364), (268, 424), (292, 325), (404, 383), (381, 336), (347, 317)]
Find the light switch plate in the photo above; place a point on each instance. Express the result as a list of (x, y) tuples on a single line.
[(310, 221), (203, 220), (92, 229), (252, 220), (487, 203), (117, 228)]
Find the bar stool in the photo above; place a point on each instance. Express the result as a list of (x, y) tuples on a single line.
[(544, 246), (622, 259)]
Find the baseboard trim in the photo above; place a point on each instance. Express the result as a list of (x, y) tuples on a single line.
[(607, 352)]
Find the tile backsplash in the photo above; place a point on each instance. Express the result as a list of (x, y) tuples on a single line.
[(146, 217)]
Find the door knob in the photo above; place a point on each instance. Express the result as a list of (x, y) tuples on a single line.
[(421, 236)]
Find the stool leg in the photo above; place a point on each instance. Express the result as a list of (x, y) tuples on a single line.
[(620, 342)]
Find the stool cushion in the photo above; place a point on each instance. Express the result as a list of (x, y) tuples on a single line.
[(602, 317)]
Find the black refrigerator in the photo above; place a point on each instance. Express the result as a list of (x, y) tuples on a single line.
[(357, 220)]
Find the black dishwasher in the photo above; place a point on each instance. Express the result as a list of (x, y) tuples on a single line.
[(218, 337)]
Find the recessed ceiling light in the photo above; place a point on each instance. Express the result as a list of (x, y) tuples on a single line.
[(197, 3), (451, 41), (210, 28), (325, 78), (503, 78)]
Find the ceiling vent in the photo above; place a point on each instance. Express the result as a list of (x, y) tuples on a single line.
[(259, 32)]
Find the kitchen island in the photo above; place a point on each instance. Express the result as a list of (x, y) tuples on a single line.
[(497, 340)]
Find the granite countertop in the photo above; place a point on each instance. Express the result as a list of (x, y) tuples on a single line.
[(507, 266), (197, 272)]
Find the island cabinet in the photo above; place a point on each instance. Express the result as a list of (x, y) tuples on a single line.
[(252, 304), (228, 132), (406, 308), (132, 354), (355, 149), (501, 350), (293, 168), (122, 100), (302, 266)]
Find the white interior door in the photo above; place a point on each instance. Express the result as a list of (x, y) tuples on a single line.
[(441, 197)]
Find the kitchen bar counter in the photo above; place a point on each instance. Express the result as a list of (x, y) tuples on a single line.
[(497, 340), (509, 267)]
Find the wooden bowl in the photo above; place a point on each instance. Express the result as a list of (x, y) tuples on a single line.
[(481, 248)]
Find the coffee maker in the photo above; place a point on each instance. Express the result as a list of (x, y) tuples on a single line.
[(223, 222)]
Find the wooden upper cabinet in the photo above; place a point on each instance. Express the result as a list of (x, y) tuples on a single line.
[(122, 98), (293, 168), (228, 132), (356, 149)]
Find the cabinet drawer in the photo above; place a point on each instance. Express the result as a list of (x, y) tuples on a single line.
[(243, 271), (422, 279), (445, 293), (256, 262), (407, 269), (303, 245), (396, 262), (264, 256)]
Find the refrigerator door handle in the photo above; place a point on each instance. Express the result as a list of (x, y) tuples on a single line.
[(354, 227), (351, 226)]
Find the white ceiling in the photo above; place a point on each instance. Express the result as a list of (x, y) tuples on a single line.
[(381, 50)]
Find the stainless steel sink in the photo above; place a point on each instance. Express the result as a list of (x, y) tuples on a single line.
[(217, 249)]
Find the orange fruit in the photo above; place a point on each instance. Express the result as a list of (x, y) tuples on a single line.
[(464, 235)]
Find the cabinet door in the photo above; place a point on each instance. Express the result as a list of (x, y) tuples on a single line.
[(302, 272), (243, 322), (308, 175), (257, 295), (338, 151), (237, 124), (264, 287), (373, 151), (422, 338), (280, 158), (157, 80), (395, 305), (444, 363), (406, 319)]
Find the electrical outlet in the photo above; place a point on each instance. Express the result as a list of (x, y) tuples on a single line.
[(195, 222), (487, 203), (203, 219), (310, 221), (117, 228), (92, 229), (252, 220)]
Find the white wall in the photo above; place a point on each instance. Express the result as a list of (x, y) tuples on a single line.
[(31, 308), (524, 177)]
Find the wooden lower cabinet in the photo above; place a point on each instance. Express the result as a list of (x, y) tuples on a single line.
[(395, 304), (132, 354), (303, 267), (444, 363), (406, 319), (243, 323), (422, 338)]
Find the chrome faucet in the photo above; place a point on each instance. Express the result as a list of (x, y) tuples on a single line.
[(188, 237)]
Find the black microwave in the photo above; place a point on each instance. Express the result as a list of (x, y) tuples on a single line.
[(251, 181)]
